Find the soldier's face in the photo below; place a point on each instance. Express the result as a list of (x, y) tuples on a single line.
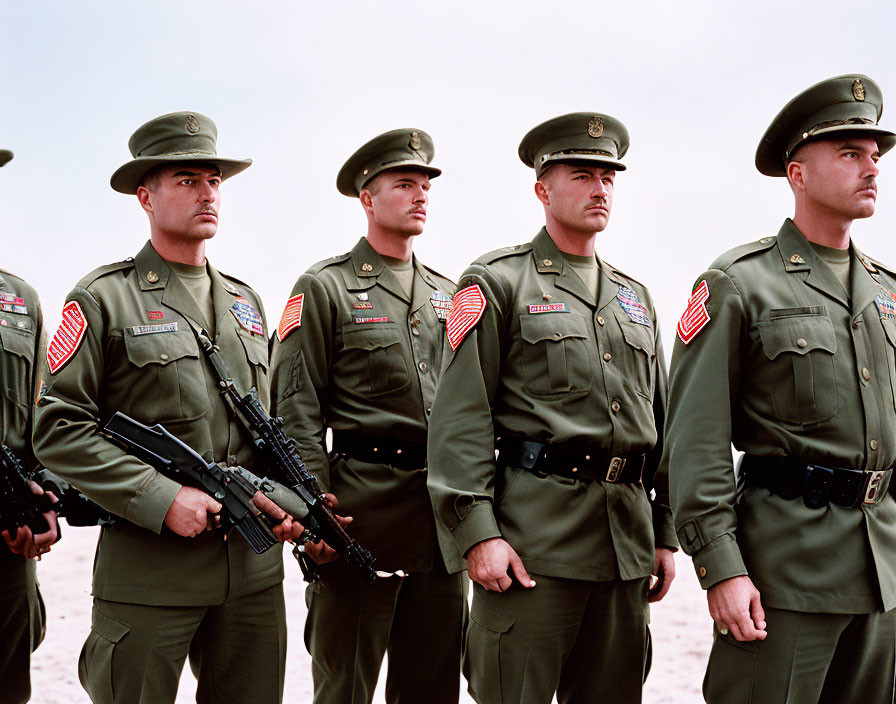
[(579, 197), (839, 176), (183, 201), (397, 201)]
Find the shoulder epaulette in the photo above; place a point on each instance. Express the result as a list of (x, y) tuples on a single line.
[(235, 280), (618, 272), (99, 272), (504, 252), (744, 250), (883, 267), (432, 271), (320, 266)]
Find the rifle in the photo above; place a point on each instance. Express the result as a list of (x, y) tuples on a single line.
[(279, 454), (232, 487), (19, 506)]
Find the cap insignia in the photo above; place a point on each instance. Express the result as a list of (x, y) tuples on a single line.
[(192, 125), (596, 127), (415, 142), (858, 90)]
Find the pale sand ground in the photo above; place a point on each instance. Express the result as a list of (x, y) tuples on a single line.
[(680, 625)]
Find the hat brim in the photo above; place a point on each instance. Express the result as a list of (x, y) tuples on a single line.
[(5, 156), (590, 159), (127, 178), (346, 184), (770, 162)]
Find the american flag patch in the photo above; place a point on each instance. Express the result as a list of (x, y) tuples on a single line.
[(886, 304), (68, 337), (292, 316), (695, 316), (629, 302), (467, 308)]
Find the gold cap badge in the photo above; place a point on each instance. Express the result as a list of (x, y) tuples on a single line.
[(192, 125), (415, 142), (596, 127), (858, 90)]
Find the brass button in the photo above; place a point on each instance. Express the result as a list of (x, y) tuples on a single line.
[(616, 406), (547, 262), (601, 321), (575, 469), (558, 335), (422, 366), (608, 357), (866, 373), (415, 330), (20, 324), (163, 357), (702, 571), (801, 343), (873, 444)]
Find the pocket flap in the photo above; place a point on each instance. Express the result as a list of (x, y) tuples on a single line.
[(797, 335), (108, 628), (17, 343), (369, 336), (160, 348), (256, 350), (491, 618), (638, 336), (552, 326)]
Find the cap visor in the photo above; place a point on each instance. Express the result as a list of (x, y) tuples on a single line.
[(128, 177)]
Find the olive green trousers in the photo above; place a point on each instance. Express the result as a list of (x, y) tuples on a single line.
[(806, 659), (417, 620), (22, 620), (135, 653), (585, 641)]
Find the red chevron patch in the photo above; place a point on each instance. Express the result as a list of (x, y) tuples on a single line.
[(68, 336), (467, 308), (695, 317)]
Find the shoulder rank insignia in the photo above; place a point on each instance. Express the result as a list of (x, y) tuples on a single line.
[(695, 316), (68, 336), (441, 304), (248, 318), (886, 305), (292, 316), (629, 302), (467, 308)]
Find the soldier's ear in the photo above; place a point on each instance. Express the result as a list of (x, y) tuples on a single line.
[(795, 175), (366, 199), (144, 198), (541, 192)]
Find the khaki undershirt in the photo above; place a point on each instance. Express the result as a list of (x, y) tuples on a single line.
[(838, 260), (404, 272), (199, 284), (585, 268)]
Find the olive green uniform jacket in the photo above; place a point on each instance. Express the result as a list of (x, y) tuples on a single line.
[(22, 341), (162, 378), (787, 365), (589, 375), (366, 358)]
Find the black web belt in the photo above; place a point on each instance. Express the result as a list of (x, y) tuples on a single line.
[(791, 478), (403, 455), (588, 464)]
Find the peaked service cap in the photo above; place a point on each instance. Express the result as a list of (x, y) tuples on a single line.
[(173, 138), (5, 156), (578, 136), (407, 148), (849, 103)]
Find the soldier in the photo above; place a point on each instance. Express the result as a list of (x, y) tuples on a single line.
[(358, 352), (555, 361), (21, 606), (163, 585), (786, 350)]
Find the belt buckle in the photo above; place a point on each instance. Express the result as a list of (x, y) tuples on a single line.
[(874, 493), (615, 469)]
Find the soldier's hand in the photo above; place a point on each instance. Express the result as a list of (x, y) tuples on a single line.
[(734, 605), (664, 571), (490, 563), (320, 552), (287, 528), (188, 514), (25, 542)]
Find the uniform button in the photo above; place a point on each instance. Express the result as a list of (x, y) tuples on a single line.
[(557, 335), (20, 324), (163, 357), (601, 321), (616, 406), (429, 411), (873, 444), (608, 357), (801, 342), (422, 366), (856, 323), (866, 374), (415, 330), (702, 571)]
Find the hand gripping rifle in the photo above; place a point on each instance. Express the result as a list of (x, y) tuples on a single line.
[(279, 455)]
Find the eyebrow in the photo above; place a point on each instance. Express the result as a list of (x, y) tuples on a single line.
[(177, 174)]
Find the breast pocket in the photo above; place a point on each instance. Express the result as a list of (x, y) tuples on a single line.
[(641, 357), (169, 380), (17, 363), (889, 326), (800, 351), (555, 354), (372, 359)]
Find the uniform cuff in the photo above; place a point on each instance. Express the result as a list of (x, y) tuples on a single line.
[(477, 525), (664, 528), (150, 505), (718, 561)]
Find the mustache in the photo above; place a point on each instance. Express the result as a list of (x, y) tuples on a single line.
[(207, 209)]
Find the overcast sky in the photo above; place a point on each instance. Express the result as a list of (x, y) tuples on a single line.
[(298, 86)]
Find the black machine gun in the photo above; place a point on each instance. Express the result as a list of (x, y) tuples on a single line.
[(232, 487), (279, 455)]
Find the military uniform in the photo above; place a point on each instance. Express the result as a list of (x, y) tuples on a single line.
[(776, 357), (359, 355), (564, 384), (21, 606), (126, 343)]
